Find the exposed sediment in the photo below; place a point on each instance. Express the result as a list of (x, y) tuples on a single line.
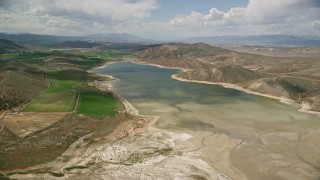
[(304, 106), (229, 151), (136, 149)]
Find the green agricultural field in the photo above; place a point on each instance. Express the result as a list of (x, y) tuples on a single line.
[(60, 97), (93, 103), (108, 54), (34, 58), (113, 54)]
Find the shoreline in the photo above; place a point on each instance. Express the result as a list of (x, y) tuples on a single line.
[(128, 107), (226, 167), (304, 107), (104, 65)]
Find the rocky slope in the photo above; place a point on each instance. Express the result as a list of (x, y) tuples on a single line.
[(224, 74)]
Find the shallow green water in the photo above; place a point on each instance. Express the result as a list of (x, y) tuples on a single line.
[(200, 106)]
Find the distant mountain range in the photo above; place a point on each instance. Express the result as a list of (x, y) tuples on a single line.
[(99, 45), (264, 40), (50, 39), (35, 38), (115, 37)]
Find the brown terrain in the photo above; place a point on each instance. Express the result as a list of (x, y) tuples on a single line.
[(29, 122), (290, 76)]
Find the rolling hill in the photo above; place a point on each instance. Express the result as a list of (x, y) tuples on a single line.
[(9, 46)]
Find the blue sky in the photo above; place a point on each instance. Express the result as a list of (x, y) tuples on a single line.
[(172, 8), (161, 19)]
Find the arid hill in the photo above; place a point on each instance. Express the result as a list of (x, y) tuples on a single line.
[(18, 88), (292, 77)]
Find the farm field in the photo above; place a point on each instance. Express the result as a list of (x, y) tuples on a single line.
[(93, 103), (60, 97), (44, 109), (29, 122)]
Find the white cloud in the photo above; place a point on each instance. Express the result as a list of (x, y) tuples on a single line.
[(116, 10), (76, 17), (194, 18), (259, 17), (72, 16), (275, 11), (236, 12), (214, 14)]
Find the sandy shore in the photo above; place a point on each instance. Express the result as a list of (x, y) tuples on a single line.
[(304, 106), (104, 65)]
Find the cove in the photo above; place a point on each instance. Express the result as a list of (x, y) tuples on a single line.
[(153, 92), (239, 134)]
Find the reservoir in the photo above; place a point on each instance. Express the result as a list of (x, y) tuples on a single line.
[(260, 137)]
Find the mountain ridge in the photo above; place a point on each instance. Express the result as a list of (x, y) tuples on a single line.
[(53, 39), (266, 40), (7, 46)]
